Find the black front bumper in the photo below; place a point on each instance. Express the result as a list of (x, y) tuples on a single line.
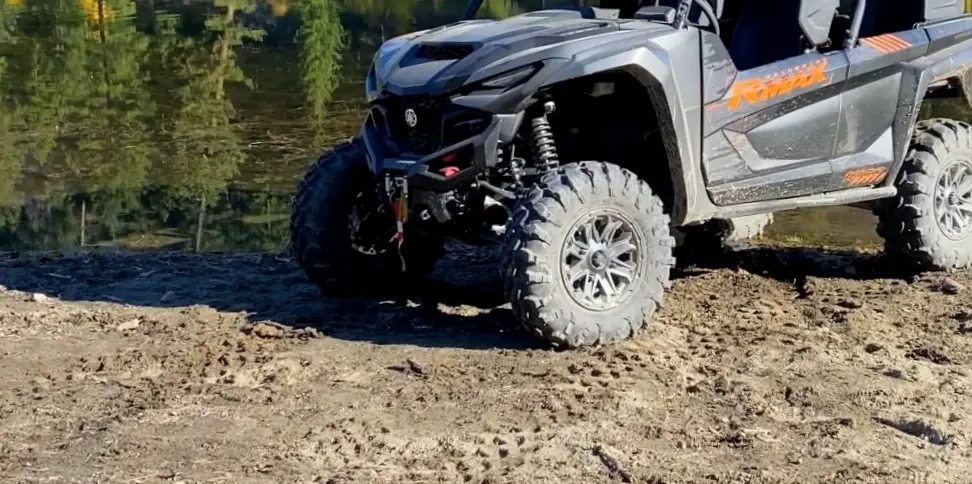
[(388, 153)]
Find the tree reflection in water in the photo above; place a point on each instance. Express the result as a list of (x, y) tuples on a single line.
[(157, 123)]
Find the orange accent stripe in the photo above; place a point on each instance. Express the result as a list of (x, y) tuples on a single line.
[(898, 41), (865, 176), (885, 44), (874, 45), (889, 41)]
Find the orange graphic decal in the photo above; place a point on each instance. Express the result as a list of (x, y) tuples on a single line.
[(865, 176), (886, 44), (755, 91)]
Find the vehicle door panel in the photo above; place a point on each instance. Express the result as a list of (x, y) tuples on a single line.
[(770, 131)]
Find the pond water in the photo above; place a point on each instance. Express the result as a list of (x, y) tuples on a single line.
[(174, 125)]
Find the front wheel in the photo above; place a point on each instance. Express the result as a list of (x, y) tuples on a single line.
[(930, 220), (341, 235), (587, 256)]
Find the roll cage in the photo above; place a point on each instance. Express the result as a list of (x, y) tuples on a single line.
[(814, 26)]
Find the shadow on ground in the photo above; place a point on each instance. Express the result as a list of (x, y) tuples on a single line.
[(792, 264), (462, 306)]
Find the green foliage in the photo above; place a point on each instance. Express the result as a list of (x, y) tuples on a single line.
[(498, 9), (322, 42), (204, 149), (102, 108)]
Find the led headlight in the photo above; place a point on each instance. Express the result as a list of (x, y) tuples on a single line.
[(381, 62), (509, 79)]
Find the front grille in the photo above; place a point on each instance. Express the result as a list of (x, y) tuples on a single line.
[(426, 136), (440, 52), (438, 123)]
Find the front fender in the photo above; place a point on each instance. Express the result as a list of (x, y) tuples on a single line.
[(676, 94)]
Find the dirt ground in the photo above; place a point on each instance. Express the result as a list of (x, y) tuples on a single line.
[(788, 366)]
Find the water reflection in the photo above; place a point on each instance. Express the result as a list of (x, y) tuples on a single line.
[(162, 124), (119, 118)]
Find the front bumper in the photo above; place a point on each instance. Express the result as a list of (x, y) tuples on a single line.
[(473, 155)]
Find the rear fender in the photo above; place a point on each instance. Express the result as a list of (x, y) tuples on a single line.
[(950, 63)]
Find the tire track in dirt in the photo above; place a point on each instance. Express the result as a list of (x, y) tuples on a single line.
[(200, 368)]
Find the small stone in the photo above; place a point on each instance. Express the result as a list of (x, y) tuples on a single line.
[(953, 417), (205, 315), (920, 429), (950, 286), (873, 348), (38, 297), (130, 325), (894, 373), (847, 422), (415, 367), (263, 330), (851, 303)]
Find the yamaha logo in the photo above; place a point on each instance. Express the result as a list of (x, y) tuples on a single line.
[(411, 119)]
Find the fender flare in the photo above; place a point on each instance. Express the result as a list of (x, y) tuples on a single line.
[(668, 86)]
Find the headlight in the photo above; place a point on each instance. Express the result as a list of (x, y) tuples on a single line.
[(378, 65), (509, 79), (380, 62), (385, 52), (371, 84)]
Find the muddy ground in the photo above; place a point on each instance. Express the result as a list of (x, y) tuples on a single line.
[(787, 367)]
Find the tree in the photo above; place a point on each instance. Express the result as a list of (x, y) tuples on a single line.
[(321, 39), (205, 149)]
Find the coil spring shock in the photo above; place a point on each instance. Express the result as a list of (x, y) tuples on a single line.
[(543, 142)]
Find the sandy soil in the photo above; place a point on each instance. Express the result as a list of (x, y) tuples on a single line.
[(788, 367)]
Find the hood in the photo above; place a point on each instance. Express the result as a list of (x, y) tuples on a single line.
[(440, 60)]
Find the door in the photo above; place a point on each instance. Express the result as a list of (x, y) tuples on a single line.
[(769, 131)]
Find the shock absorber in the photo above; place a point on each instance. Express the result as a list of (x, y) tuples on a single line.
[(543, 142)]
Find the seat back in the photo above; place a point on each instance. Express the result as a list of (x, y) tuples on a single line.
[(886, 17), (816, 18), (768, 31)]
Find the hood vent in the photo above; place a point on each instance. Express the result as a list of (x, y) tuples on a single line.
[(441, 52)]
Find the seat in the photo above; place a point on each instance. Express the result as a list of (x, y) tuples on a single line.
[(766, 31)]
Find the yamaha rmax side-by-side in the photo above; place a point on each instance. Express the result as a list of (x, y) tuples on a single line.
[(582, 140)]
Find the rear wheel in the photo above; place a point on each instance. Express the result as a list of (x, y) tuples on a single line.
[(587, 256), (341, 234), (930, 220)]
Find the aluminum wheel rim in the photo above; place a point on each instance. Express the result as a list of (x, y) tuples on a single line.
[(953, 199), (600, 260)]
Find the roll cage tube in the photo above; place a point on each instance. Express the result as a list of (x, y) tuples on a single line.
[(471, 8), (681, 14), (855, 29)]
